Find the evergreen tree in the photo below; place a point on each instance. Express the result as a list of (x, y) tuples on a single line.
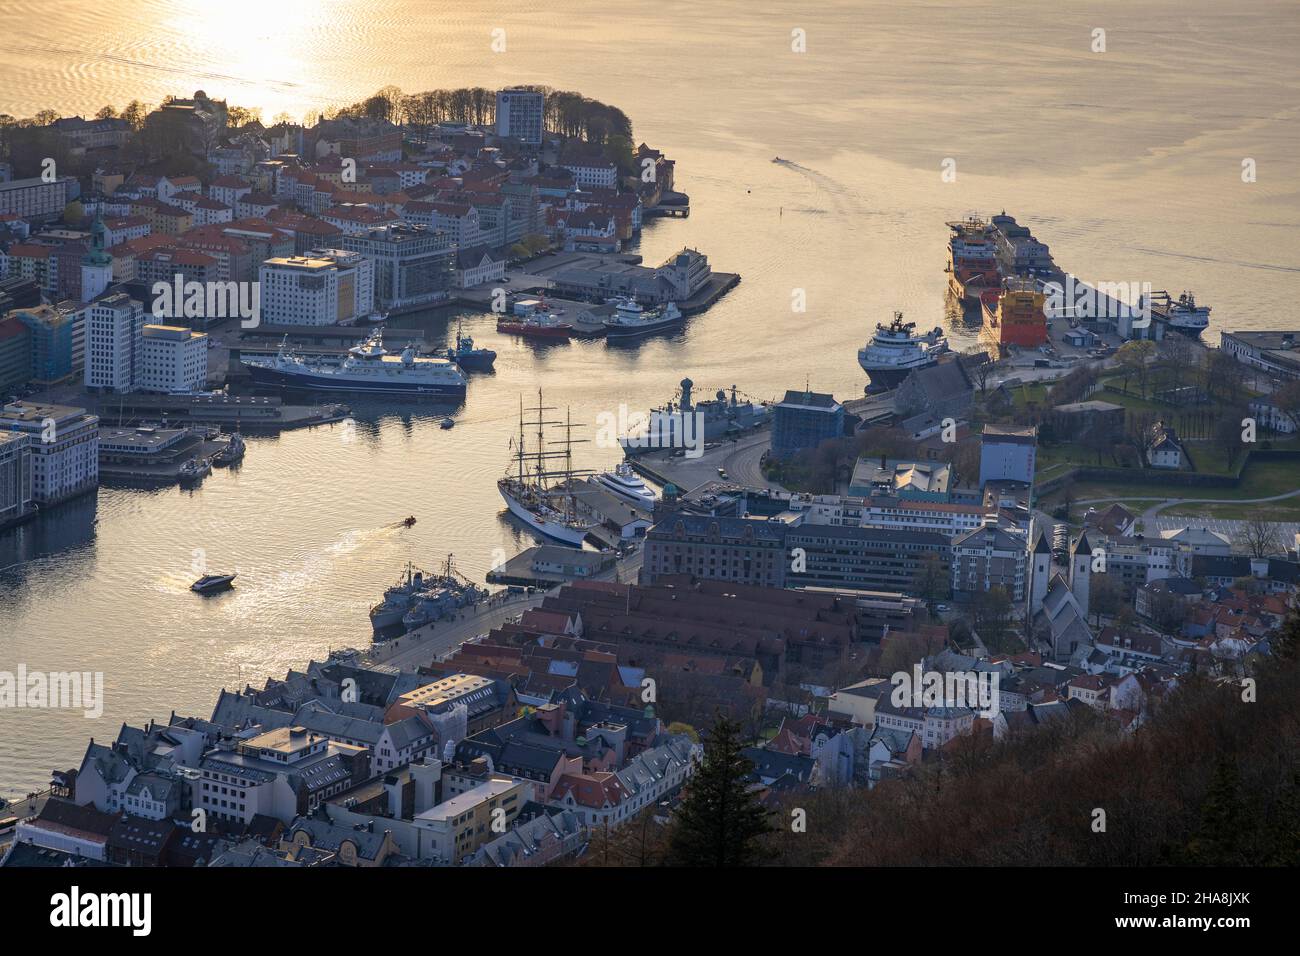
[(1286, 642), (1221, 836), (1282, 835), (720, 822)]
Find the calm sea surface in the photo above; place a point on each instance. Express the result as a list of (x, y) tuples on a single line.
[(1127, 162)]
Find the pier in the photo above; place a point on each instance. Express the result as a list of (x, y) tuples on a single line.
[(671, 205), (250, 414), (433, 641)]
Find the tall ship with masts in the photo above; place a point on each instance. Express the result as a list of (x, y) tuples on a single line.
[(538, 488)]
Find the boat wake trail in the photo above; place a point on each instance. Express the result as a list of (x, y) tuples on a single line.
[(1264, 266)]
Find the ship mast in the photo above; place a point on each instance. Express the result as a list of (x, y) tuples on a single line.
[(535, 469), (570, 499)]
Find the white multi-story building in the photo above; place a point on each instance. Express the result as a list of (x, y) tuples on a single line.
[(883, 511), (174, 359), (934, 725), (301, 290), (282, 773), (594, 173), (520, 114), (356, 276), (64, 444), (114, 337), (37, 199), (460, 221), (229, 190), (989, 557)]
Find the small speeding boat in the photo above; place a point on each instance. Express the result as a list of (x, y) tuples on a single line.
[(409, 521), (212, 583)]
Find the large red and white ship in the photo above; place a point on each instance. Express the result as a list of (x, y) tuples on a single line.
[(972, 260), (539, 325)]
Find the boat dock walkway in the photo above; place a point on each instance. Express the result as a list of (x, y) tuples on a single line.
[(132, 469)]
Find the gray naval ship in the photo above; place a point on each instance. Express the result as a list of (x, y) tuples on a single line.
[(723, 416), (420, 598)]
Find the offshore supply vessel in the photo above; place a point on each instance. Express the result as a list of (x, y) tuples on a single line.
[(895, 350), (972, 260), (1014, 315)]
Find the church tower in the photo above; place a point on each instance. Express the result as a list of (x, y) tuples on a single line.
[(1081, 571), (1040, 571), (96, 264)]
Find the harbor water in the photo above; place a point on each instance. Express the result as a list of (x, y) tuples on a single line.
[(1128, 163)]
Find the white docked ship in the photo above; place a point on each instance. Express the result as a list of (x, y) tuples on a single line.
[(630, 321), (1183, 315), (367, 369), (896, 349), (627, 484), (538, 489)]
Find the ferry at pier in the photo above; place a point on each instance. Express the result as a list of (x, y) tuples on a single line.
[(368, 369)]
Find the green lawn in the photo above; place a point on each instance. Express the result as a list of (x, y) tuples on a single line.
[(1285, 510), (1262, 480), (1030, 394), (1130, 400)]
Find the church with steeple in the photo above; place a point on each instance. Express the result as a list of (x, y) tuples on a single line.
[(96, 264)]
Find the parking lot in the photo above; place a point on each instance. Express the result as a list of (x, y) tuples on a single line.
[(1229, 528)]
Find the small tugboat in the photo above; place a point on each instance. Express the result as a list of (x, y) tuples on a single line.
[(447, 423), (212, 583), (468, 357), (232, 453), (194, 471)]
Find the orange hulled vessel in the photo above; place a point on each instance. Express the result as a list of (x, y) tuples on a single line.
[(972, 260), (1015, 314)]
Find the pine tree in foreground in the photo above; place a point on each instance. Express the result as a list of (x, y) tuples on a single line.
[(720, 822)]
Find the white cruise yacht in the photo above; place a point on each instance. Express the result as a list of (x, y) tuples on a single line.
[(627, 484)]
